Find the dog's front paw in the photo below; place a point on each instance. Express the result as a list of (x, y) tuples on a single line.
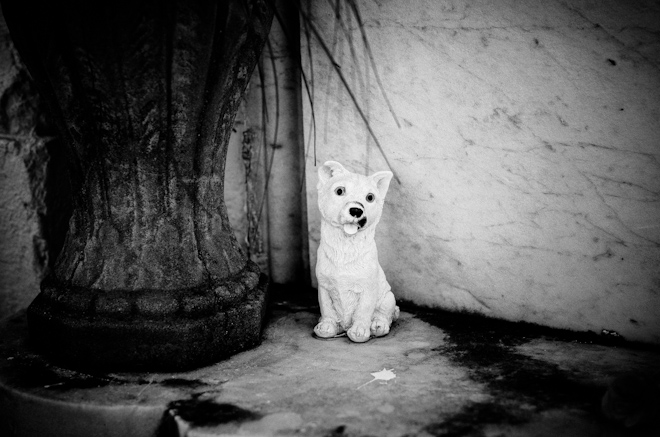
[(326, 329), (380, 326), (359, 333)]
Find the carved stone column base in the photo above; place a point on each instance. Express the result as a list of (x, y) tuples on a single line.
[(148, 330)]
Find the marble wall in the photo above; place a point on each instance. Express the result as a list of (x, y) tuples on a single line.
[(525, 136)]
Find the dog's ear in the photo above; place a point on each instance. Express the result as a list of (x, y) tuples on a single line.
[(329, 170), (382, 179)]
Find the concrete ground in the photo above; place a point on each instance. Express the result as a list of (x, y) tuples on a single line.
[(435, 374)]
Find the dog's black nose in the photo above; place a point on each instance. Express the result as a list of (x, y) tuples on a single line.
[(355, 212)]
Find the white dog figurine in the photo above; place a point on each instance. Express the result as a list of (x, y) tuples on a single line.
[(354, 295)]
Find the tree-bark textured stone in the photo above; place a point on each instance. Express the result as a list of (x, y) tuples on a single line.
[(145, 94)]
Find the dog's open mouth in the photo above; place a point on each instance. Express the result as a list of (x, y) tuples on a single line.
[(352, 228)]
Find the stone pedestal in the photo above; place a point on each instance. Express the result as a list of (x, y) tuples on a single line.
[(145, 94), (148, 329)]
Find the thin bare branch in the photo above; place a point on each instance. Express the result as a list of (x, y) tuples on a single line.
[(370, 54), (274, 145), (312, 127), (348, 89), (295, 43)]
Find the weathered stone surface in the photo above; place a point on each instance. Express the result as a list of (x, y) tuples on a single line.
[(143, 331), (144, 95), (110, 306), (448, 375)]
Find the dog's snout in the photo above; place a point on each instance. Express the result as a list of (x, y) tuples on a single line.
[(355, 212)]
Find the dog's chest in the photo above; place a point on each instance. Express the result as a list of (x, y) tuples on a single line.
[(340, 276)]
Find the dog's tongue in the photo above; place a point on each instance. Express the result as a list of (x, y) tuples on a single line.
[(350, 228)]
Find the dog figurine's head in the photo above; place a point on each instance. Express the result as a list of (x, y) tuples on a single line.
[(349, 200)]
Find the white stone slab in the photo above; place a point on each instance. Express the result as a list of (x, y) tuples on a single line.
[(528, 154)]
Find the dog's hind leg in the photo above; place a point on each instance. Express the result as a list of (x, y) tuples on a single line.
[(386, 311)]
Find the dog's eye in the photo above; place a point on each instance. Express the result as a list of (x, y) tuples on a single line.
[(370, 197), (340, 191)]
